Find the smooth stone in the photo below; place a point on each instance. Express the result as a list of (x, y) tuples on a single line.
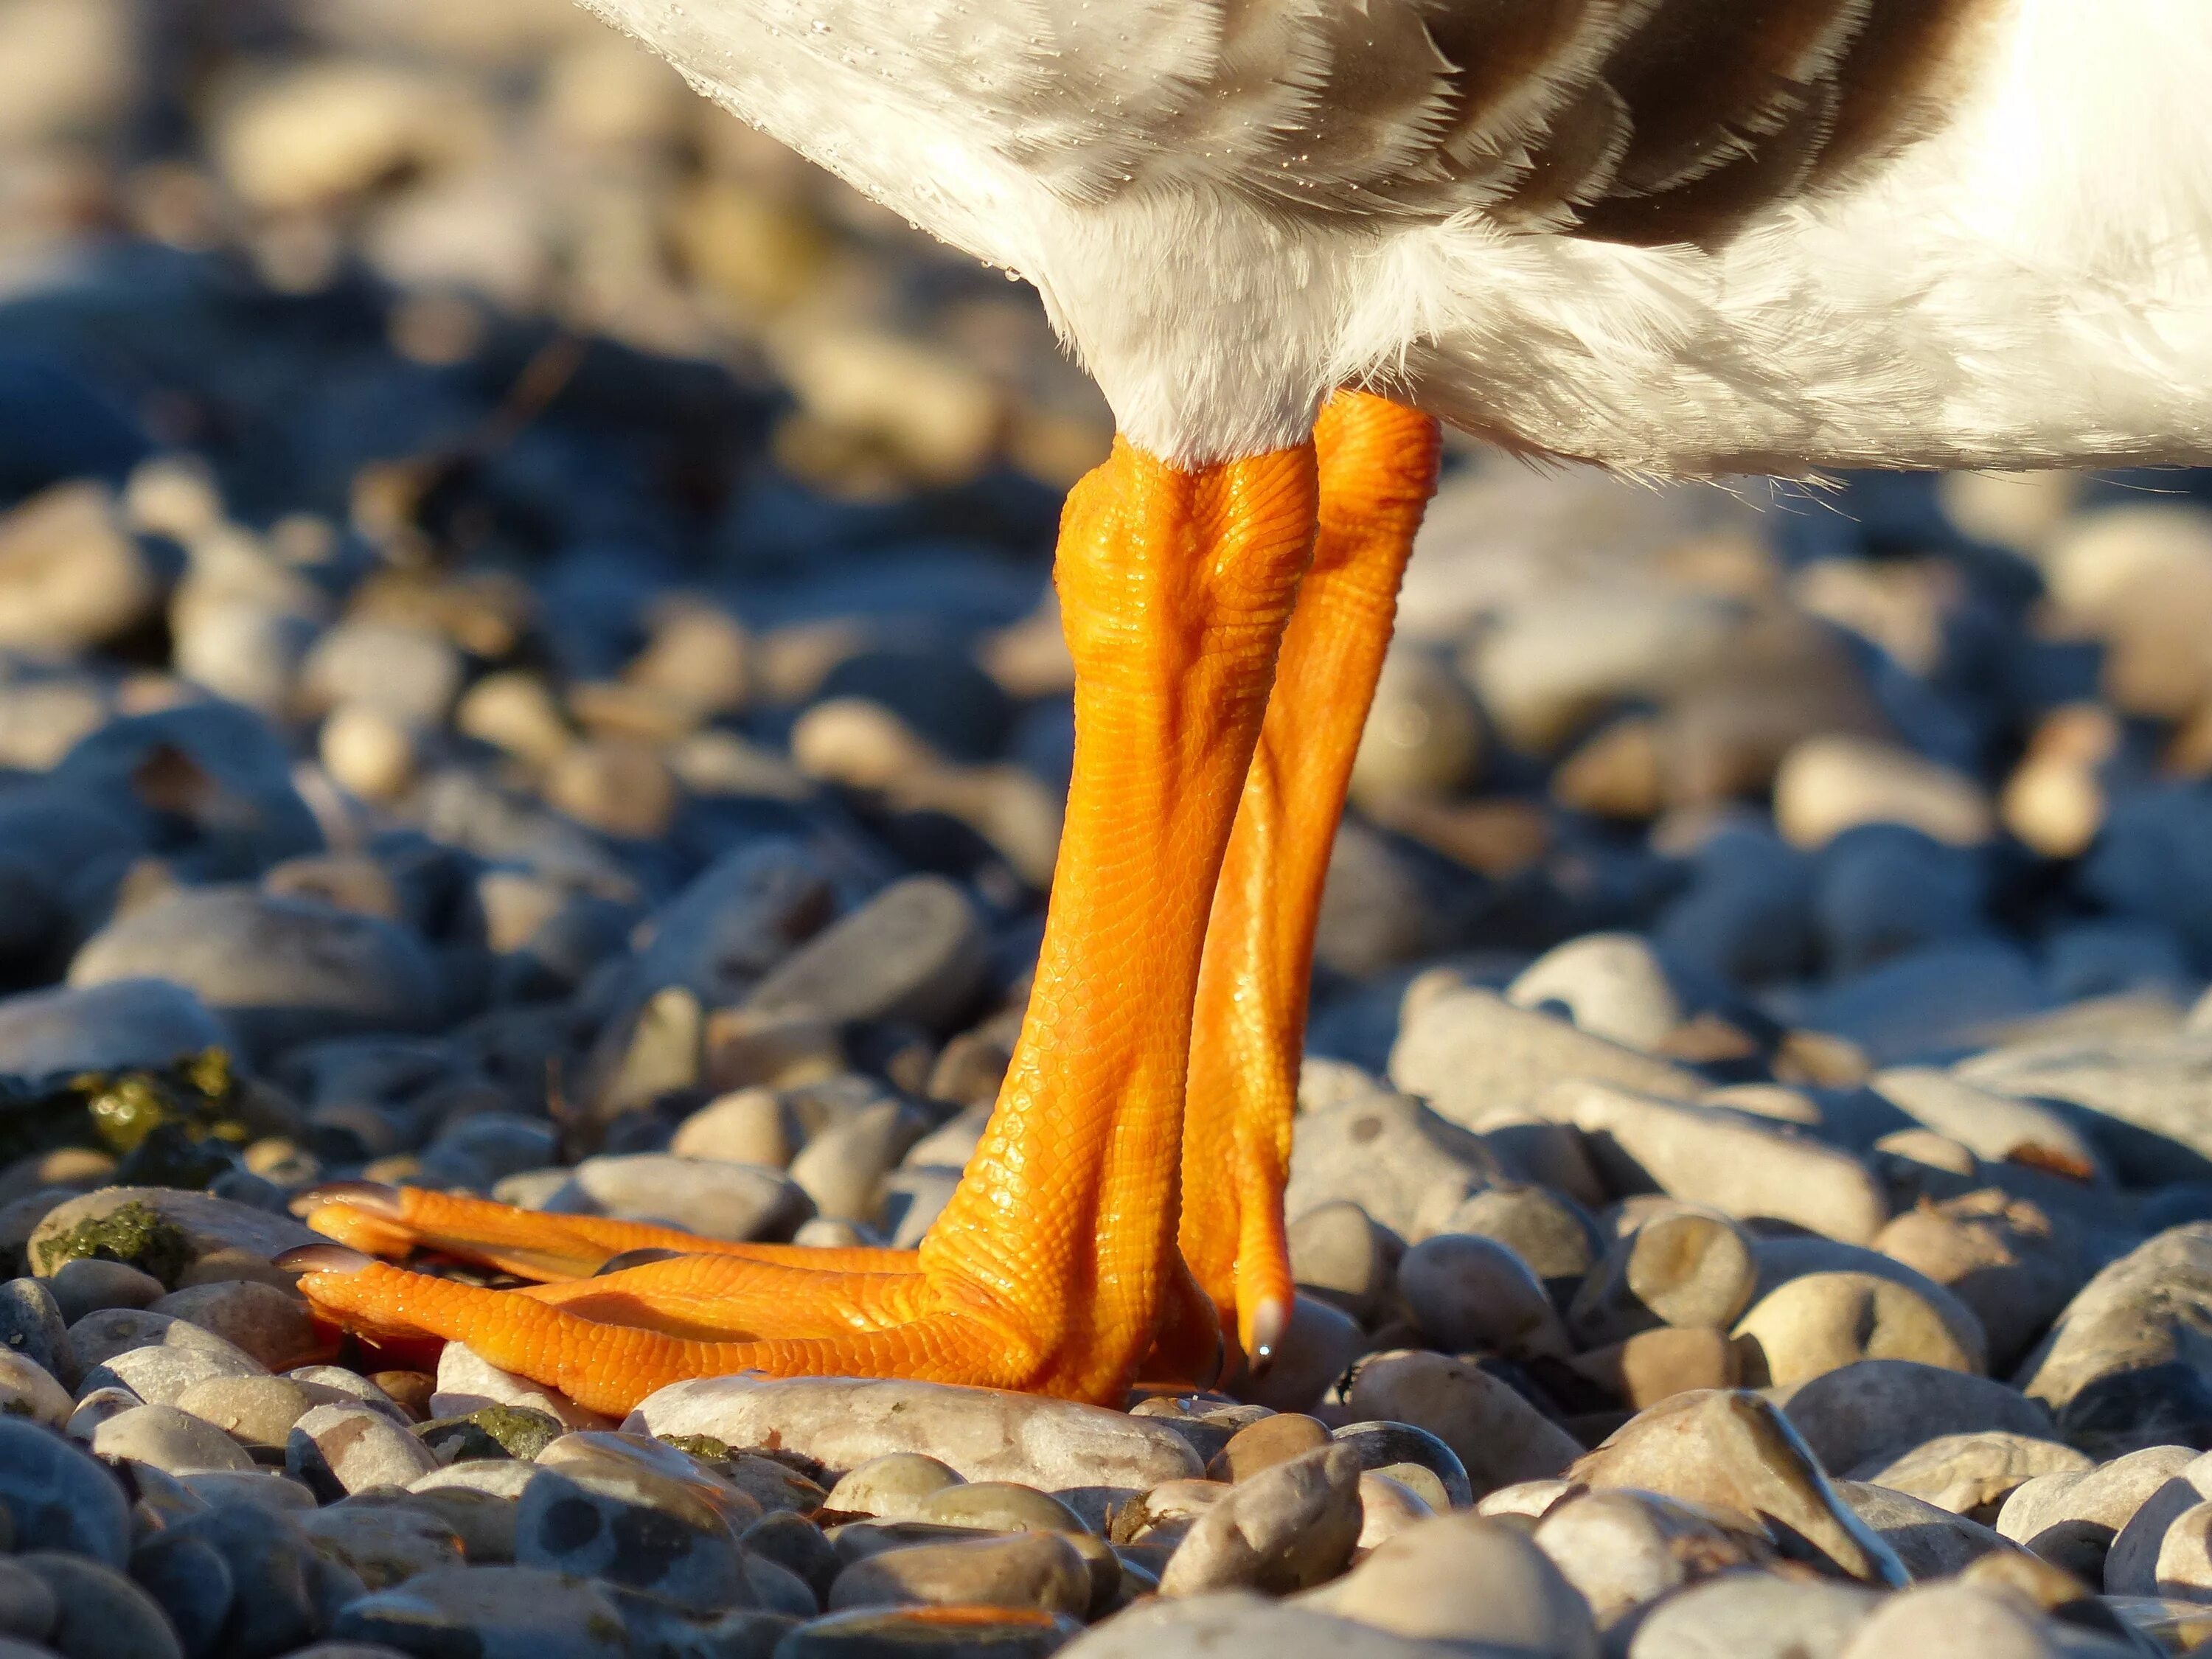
[(2142, 1100), (86, 1284), (32, 1328), (895, 1633), (31, 1393), (1037, 1570), (1401, 1447), (2140, 1312), (278, 971), (634, 1525), (1546, 1230), (2003, 1258), (1463, 1578), (120, 1026), (1754, 1615), (1611, 985), (1821, 1322), (489, 1613), (1404, 1166), (794, 1543), (1239, 1625), (915, 952), (100, 1337), (2131, 1565), (1389, 1506), (354, 1449), (1932, 1542), (28, 1607), (386, 1544), (502, 1479), (102, 1614), (1997, 1126), (266, 1553), (734, 1201), (58, 1495), (842, 1170), (1469, 1293), (171, 1440), (1499, 1437), (196, 1233), (1685, 1269), (1288, 1527), (1339, 1254), (256, 1411), (468, 1382), (1000, 1506), (987, 1435), (494, 1431), (2073, 1519), (270, 1325), (2179, 1567), (1655, 1365), (267, 1490), (482, 1521), (1883, 1407), (190, 1580), (1263, 1446), (897, 1485), (1952, 1621), (1622, 1551), (1316, 1348), (1974, 1473), (1734, 1450), (1471, 1053), (1734, 1164)]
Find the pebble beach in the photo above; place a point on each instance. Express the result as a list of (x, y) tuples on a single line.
[(528, 669)]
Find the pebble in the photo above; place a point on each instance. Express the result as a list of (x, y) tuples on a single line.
[(490, 1613), (190, 1580), (2003, 1258), (1468, 1292), (1973, 1473), (1470, 1053), (1931, 1542), (58, 1495), (1754, 1615), (2072, 1517), (101, 1613), (1288, 1527), (1412, 1455), (266, 1323), (1829, 785), (863, 1633), (1681, 1269), (1611, 985), (1463, 1578), (1821, 1322), (1401, 1163), (1734, 1450), (620, 1519), (354, 1449), (1052, 1445), (1498, 1437), (278, 971), (384, 1544), (1037, 1570), (2138, 1315), (30, 1391), (1239, 1625), (1882, 1408), (101, 1028), (1727, 1163), (186, 1238), (468, 1382), (87, 1284), (171, 1440), (1942, 1620), (717, 1200), (1622, 1551)]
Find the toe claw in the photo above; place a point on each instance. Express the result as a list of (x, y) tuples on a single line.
[(1270, 1320), (641, 1257), (322, 1259), (374, 1196)]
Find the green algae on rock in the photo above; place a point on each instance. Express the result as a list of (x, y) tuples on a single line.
[(133, 1234)]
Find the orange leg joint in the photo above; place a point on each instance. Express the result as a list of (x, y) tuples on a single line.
[(1377, 469), (1052, 1267)]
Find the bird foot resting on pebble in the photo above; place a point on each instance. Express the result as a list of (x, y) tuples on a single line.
[(1674, 236), (1228, 626)]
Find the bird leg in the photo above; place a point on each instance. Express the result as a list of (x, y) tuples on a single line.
[(1054, 1263), (1378, 464)]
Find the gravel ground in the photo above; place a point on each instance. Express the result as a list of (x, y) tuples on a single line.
[(526, 667)]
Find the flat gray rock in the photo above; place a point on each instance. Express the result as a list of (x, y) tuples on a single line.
[(118, 1026)]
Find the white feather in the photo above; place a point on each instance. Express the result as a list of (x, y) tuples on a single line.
[(2031, 285)]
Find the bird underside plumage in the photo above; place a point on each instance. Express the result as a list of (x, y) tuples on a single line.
[(1700, 235)]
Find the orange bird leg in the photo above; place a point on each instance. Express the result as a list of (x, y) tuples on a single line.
[(1377, 468), (1052, 1267)]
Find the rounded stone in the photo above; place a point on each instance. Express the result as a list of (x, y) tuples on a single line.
[(59, 1496), (1036, 1571), (1468, 1293), (1821, 1322), (102, 1614), (171, 1440), (1686, 1269)]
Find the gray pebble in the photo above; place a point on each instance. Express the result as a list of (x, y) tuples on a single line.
[(1408, 1168), (171, 1440), (1469, 1293), (102, 1614), (59, 1496), (350, 1448), (1754, 1615), (29, 1392), (87, 1284), (633, 1528), (31, 1326), (489, 1613), (1881, 1407), (1288, 1527), (28, 1607), (385, 1544), (1037, 1570), (1499, 1437), (1933, 1543), (270, 1324), (191, 1580)]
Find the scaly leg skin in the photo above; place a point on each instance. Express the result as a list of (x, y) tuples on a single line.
[(1052, 1267), (1377, 464)]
